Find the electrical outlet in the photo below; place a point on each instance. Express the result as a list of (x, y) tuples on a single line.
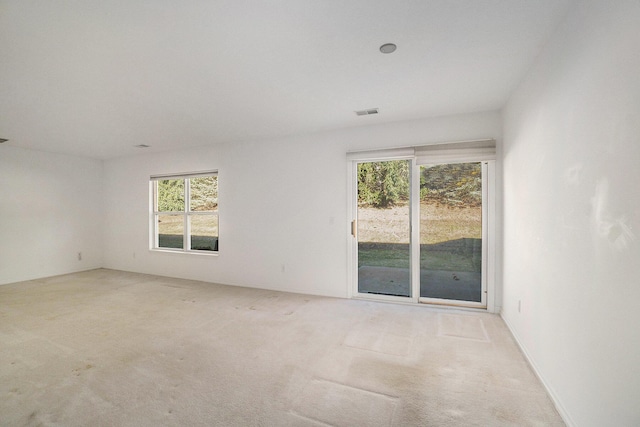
[(79, 256)]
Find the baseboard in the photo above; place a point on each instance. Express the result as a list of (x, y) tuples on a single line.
[(564, 414), (238, 285), (31, 278)]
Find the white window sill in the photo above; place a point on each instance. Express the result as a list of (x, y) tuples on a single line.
[(180, 252)]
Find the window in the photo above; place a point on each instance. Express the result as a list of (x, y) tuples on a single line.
[(185, 212)]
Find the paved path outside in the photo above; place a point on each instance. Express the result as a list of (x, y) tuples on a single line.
[(462, 286)]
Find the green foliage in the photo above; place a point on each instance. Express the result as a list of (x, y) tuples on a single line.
[(383, 184), (204, 194), (171, 195), (458, 184)]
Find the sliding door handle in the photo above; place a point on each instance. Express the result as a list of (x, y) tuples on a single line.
[(353, 228)]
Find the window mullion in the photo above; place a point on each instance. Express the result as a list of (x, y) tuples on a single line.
[(156, 228), (187, 223)]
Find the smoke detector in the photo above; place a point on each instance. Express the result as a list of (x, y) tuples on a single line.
[(388, 48)]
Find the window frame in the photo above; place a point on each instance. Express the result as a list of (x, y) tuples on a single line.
[(187, 214)]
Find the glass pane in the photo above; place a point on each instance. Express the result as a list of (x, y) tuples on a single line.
[(171, 231), (451, 231), (204, 232), (384, 228), (170, 195), (204, 193)]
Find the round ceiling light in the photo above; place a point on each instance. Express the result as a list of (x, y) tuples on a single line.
[(388, 48)]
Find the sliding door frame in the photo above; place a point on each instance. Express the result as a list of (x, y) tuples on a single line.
[(488, 231), (353, 239)]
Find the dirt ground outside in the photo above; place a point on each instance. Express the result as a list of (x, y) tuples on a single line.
[(450, 237), (204, 232), (438, 223)]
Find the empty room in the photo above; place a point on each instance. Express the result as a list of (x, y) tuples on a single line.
[(320, 213)]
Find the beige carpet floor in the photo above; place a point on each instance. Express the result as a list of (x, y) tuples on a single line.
[(108, 348)]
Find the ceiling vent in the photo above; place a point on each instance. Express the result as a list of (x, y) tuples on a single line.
[(142, 146), (367, 112)]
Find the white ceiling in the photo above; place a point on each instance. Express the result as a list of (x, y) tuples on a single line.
[(95, 77)]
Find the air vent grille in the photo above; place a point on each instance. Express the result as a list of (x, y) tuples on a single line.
[(367, 112)]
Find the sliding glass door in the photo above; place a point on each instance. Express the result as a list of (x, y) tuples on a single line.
[(384, 228), (420, 231), (451, 232)]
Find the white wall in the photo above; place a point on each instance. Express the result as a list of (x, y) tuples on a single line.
[(572, 214), (282, 202), (50, 209)]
